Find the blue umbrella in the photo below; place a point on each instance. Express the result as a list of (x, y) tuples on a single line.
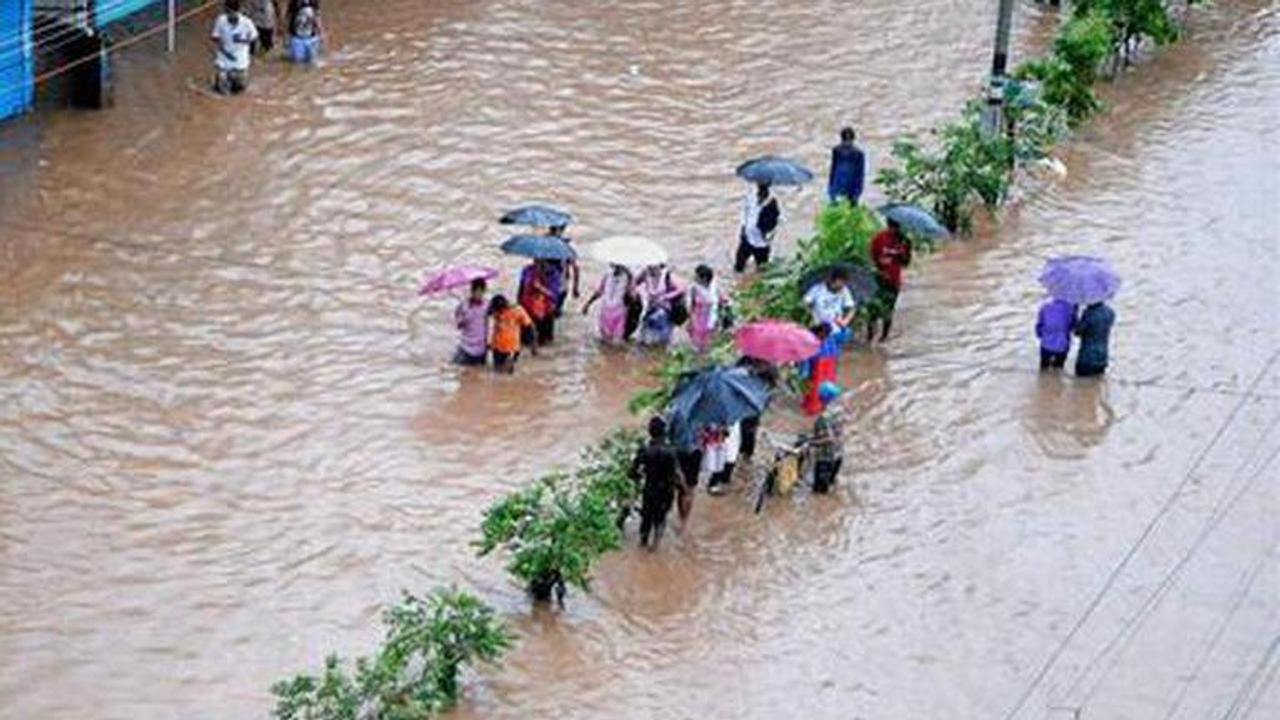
[(774, 170), (914, 220), (537, 216), (539, 247), (718, 396), (1080, 279)]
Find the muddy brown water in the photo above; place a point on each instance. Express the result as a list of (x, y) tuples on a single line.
[(229, 433)]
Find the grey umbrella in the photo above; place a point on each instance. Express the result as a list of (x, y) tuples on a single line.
[(537, 216), (774, 170)]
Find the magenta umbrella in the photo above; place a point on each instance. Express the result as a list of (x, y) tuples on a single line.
[(777, 341), (455, 277)]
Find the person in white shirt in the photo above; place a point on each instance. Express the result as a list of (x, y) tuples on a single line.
[(832, 304), (233, 37), (761, 216)]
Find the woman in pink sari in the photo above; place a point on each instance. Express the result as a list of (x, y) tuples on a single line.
[(704, 308), (613, 292)]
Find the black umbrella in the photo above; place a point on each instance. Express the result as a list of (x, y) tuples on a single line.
[(860, 280), (719, 396)]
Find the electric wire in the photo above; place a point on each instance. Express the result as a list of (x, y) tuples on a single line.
[(1128, 630), (1137, 545)]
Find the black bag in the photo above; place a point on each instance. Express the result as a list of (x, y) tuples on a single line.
[(726, 317), (679, 311), (767, 221)]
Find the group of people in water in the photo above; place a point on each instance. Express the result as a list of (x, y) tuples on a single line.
[(647, 304), (1056, 323), (246, 28)]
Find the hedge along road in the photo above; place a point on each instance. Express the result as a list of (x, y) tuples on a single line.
[(230, 434)]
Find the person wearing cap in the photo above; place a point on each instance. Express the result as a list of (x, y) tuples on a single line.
[(828, 439)]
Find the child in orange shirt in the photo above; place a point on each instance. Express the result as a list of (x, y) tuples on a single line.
[(509, 322)]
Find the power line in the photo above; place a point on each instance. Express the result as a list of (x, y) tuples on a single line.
[(1252, 681), (1246, 585), (1137, 545), (1129, 629)]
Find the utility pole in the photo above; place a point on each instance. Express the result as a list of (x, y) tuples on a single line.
[(999, 67), (173, 25)]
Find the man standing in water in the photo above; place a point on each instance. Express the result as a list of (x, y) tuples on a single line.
[(233, 36), (1094, 329), (890, 252), (264, 14), (760, 217), (655, 465), (848, 170)]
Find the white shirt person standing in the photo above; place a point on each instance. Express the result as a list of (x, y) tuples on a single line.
[(232, 37)]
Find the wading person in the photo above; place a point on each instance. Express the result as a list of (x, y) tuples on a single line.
[(821, 369), (1054, 325), (509, 324), (890, 252), (537, 296), (704, 304), (830, 303), (614, 291), (659, 294), (264, 14), (848, 170), (232, 37), (750, 426), (720, 448), (1094, 329), (761, 215), (828, 440), (472, 319), (655, 466), (570, 277), (305, 30), (689, 460)]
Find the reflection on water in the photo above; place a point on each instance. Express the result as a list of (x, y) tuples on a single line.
[(1067, 418), (230, 434)]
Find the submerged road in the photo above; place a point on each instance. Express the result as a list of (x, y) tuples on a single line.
[(229, 433)]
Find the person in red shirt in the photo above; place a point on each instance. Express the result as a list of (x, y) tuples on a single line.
[(890, 252)]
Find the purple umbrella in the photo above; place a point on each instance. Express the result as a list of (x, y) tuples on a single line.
[(1080, 279), (455, 277)]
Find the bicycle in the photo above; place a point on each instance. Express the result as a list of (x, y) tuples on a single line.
[(792, 462)]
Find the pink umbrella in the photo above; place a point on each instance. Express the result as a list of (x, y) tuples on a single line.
[(777, 341), (455, 277)]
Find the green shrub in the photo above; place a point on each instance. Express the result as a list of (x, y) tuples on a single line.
[(844, 233), (1130, 22), (1071, 70), (556, 529), (414, 673), (964, 166)]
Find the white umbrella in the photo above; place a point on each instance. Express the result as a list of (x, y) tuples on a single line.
[(629, 251)]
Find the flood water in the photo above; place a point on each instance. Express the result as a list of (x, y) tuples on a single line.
[(230, 434)]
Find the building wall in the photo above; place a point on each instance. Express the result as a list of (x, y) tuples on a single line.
[(17, 64)]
